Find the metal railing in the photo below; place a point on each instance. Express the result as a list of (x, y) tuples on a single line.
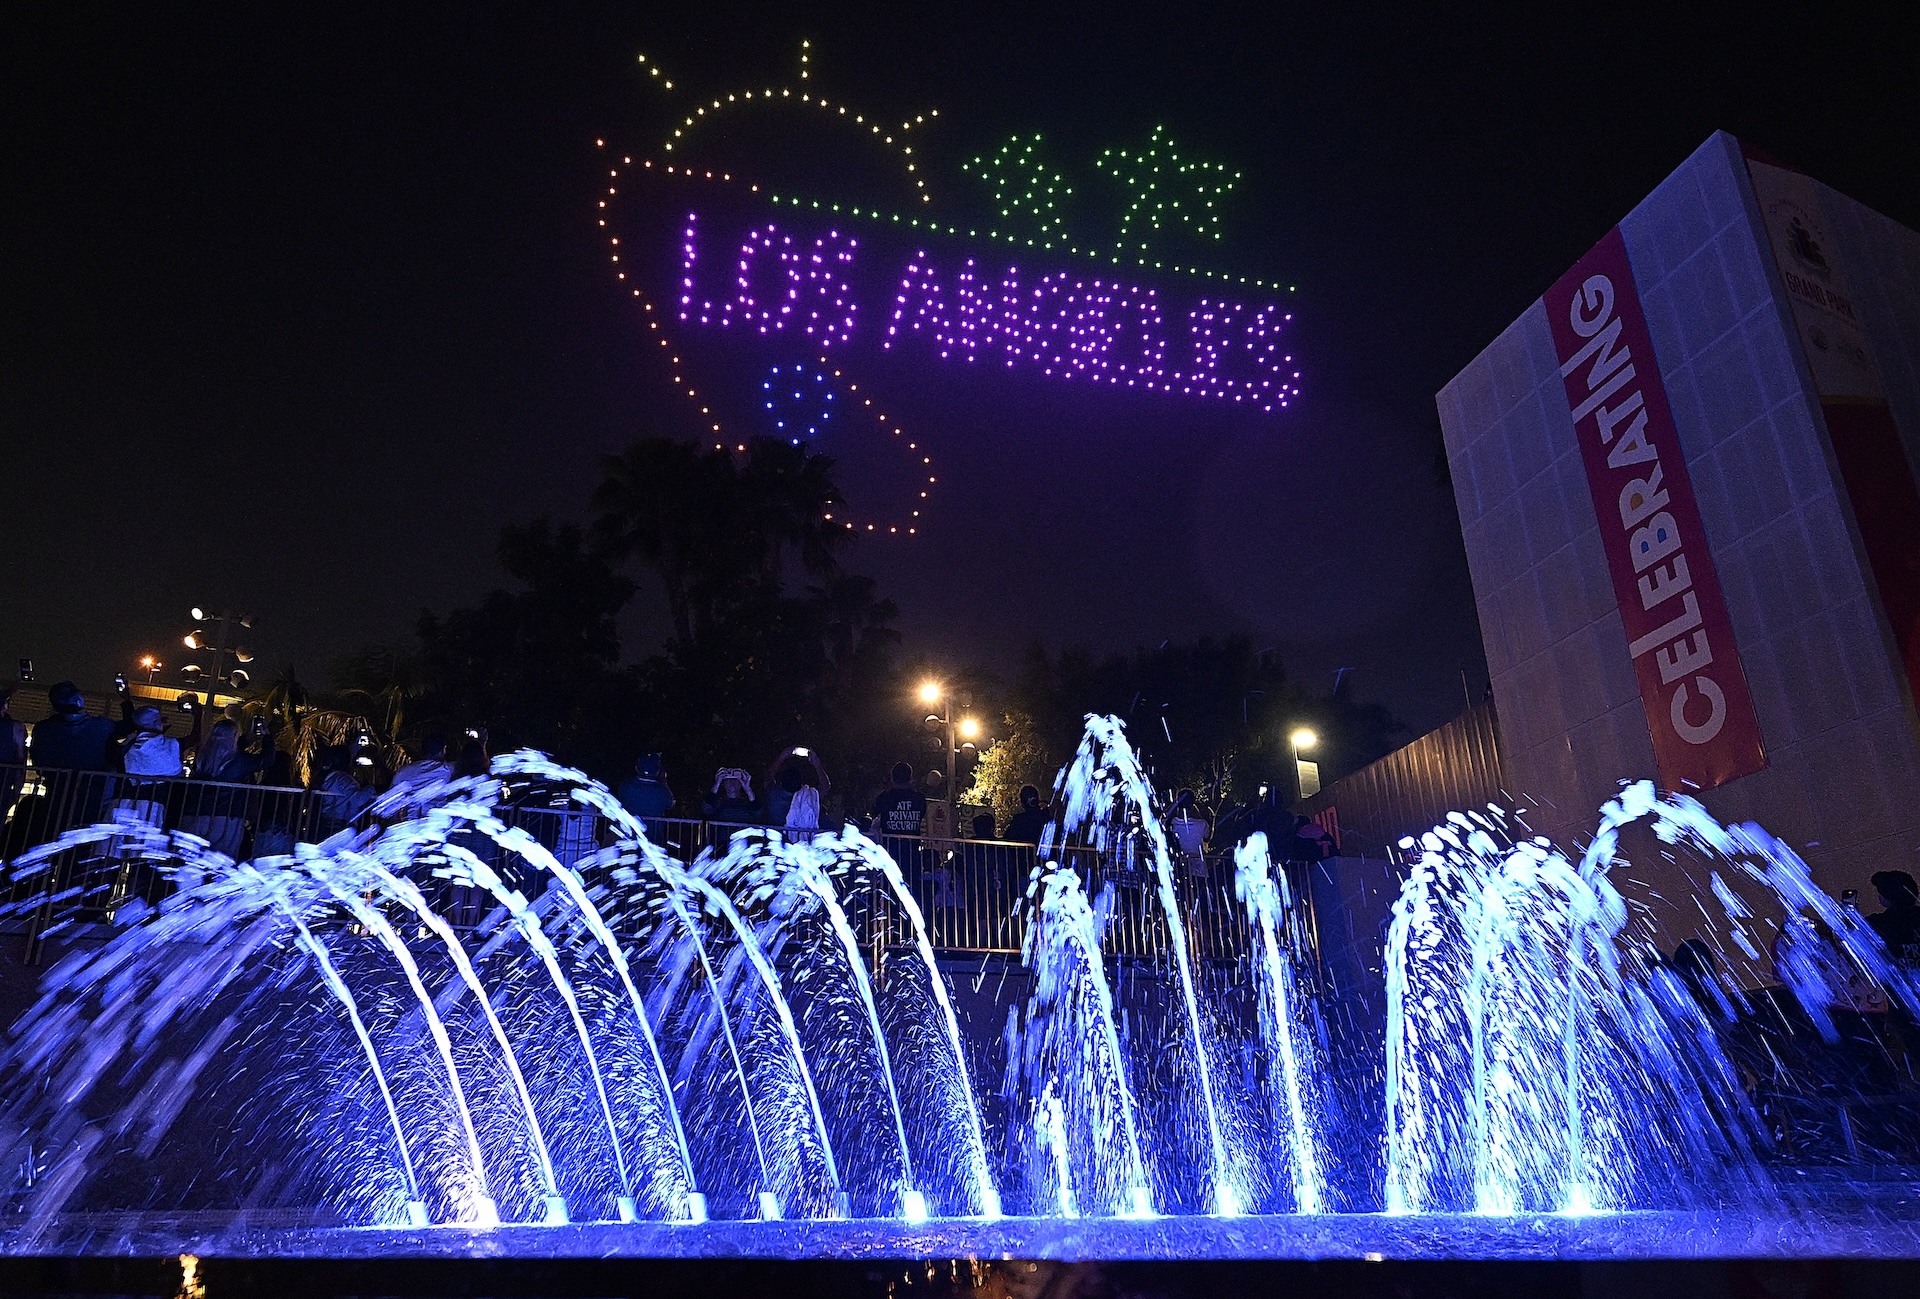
[(92, 881), (971, 893)]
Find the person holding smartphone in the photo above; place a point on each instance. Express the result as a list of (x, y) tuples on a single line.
[(216, 811), (13, 755), (793, 770)]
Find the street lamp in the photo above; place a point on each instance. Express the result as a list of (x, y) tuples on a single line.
[(150, 665), (1306, 774), (220, 647), (931, 693)]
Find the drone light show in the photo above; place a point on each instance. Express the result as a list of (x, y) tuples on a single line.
[(778, 311)]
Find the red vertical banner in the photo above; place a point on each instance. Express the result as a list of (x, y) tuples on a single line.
[(1886, 508), (1699, 709), (1878, 477)]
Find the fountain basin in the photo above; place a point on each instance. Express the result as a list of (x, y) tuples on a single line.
[(1881, 1221)]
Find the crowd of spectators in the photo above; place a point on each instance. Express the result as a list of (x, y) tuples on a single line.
[(792, 795), (225, 779), (1829, 1060), (127, 767), (122, 768), (92, 767)]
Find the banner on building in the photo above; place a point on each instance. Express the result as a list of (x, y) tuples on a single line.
[(1866, 442), (1679, 636)]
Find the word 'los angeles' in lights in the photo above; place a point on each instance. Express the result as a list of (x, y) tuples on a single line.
[(780, 300), (1065, 324)]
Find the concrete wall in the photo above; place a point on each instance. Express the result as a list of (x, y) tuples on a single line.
[(1843, 780)]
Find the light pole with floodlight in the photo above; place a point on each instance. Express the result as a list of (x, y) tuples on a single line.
[(1306, 774), (957, 729), (220, 647)]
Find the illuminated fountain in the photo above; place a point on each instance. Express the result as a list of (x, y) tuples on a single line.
[(440, 1028)]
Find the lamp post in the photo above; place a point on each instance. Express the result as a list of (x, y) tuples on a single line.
[(940, 811), (1306, 775), (221, 647), (957, 729), (150, 665)]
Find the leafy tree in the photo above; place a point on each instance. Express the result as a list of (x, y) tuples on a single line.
[(1021, 756), (756, 662), (540, 665), (749, 668)]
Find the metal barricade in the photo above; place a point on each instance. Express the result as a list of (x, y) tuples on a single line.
[(972, 894), (91, 882)]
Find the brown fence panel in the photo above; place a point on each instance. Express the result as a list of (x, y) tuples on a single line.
[(1455, 768)]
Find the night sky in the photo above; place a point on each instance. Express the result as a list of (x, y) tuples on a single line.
[(299, 310)]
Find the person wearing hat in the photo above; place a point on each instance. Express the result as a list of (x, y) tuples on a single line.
[(72, 750), (1899, 923), (71, 740), (150, 755), (149, 751), (645, 792)]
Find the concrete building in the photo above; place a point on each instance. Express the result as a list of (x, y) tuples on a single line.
[(1715, 581)]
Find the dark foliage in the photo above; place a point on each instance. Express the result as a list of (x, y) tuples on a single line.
[(774, 644), (538, 666), (1210, 714)]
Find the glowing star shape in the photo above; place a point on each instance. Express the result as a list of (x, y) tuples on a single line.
[(799, 400), (1165, 189), (1024, 186)]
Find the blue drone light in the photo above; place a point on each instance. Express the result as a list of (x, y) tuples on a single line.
[(802, 404)]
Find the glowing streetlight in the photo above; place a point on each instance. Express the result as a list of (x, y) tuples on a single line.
[(1306, 774), (150, 665), (949, 728)]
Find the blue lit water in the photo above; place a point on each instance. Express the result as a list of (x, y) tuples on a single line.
[(442, 1031)]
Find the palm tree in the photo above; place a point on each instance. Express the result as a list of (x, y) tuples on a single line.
[(656, 503), (714, 532), (855, 623), (792, 494)]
